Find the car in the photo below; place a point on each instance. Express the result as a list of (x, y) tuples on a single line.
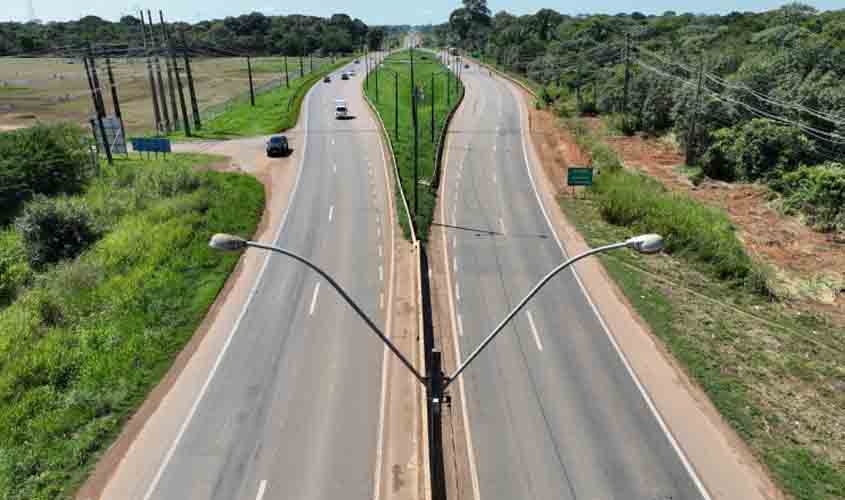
[(352, 72), (327, 79), (278, 145), (341, 110), (344, 76), (466, 66), (357, 61)]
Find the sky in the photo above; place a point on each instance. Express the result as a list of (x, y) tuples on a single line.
[(372, 12)]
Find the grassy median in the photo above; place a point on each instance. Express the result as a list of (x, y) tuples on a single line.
[(443, 100), (84, 341)]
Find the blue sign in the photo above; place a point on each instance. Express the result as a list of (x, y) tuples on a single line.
[(151, 145)]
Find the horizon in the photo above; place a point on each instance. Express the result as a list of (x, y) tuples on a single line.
[(384, 16)]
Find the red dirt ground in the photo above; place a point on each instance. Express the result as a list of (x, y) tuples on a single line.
[(811, 265)]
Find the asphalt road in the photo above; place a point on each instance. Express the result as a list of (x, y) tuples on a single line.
[(292, 410), (552, 410)]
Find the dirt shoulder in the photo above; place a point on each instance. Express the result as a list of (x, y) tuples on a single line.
[(810, 266)]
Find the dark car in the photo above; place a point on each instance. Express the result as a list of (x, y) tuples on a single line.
[(327, 79), (357, 61), (278, 146), (344, 76)]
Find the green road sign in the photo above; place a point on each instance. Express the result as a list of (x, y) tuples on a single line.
[(579, 176)]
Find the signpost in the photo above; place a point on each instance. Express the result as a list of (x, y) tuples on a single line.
[(579, 176)]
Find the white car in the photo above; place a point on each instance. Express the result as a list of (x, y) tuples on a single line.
[(341, 110)]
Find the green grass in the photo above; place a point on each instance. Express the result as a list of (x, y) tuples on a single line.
[(769, 372), (84, 342), (274, 111), (425, 64)]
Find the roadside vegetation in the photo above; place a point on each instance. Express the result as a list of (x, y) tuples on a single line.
[(444, 99), (274, 111), (101, 289), (770, 107)]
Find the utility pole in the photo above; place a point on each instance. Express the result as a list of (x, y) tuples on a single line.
[(287, 74), (311, 58), (366, 68), (98, 103), (691, 152), (168, 61), (116, 101), (251, 88), (161, 92), (627, 75), (185, 123), (150, 75), (91, 85), (433, 101), (301, 64), (194, 106), (376, 73)]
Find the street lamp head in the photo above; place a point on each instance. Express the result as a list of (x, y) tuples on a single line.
[(222, 241), (646, 243)]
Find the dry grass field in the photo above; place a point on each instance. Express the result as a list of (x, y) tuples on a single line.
[(50, 90)]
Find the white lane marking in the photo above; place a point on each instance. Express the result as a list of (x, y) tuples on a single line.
[(457, 291), (473, 470), (534, 330), (331, 212), (495, 178), (370, 171), (252, 292), (454, 242), (334, 168), (378, 219), (665, 428), (332, 141), (453, 220), (380, 273), (502, 224), (455, 263), (494, 148), (381, 300), (459, 176), (261, 487), (314, 299), (429, 274), (378, 231), (380, 251), (460, 326)]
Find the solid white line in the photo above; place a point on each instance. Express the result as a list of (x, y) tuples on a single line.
[(314, 299), (534, 330), (252, 292), (473, 471), (665, 428), (331, 212), (380, 273), (502, 223), (378, 219), (460, 326), (332, 141), (494, 148), (261, 487)]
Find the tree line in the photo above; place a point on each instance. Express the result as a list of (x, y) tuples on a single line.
[(749, 96), (254, 33)]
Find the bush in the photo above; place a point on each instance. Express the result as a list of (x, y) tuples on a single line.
[(15, 272), (757, 150), (55, 229), (41, 160), (818, 192)]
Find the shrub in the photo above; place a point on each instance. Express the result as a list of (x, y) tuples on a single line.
[(41, 160), (818, 192), (55, 229), (14, 269)]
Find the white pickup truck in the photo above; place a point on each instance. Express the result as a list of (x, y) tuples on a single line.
[(341, 110)]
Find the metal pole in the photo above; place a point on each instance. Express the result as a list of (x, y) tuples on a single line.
[(416, 138), (185, 123), (169, 63), (433, 100), (522, 303), (101, 108), (161, 92), (690, 153), (301, 66), (627, 75), (194, 107), (375, 329), (116, 101), (251, 88), (396, 105), (287, 73), (153, 92)]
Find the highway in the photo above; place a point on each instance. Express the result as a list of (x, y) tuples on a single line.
[(552, 411), (292, 407)]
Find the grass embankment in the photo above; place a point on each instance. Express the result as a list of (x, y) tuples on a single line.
[(776, 377), (84, 342), (425, 64), (274, 111)]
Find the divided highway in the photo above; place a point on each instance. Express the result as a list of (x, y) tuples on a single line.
[(292, 407), (551, 408)]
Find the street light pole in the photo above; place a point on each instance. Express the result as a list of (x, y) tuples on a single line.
[(229, 242)]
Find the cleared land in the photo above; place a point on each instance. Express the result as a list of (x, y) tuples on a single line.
[(51, 90)]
